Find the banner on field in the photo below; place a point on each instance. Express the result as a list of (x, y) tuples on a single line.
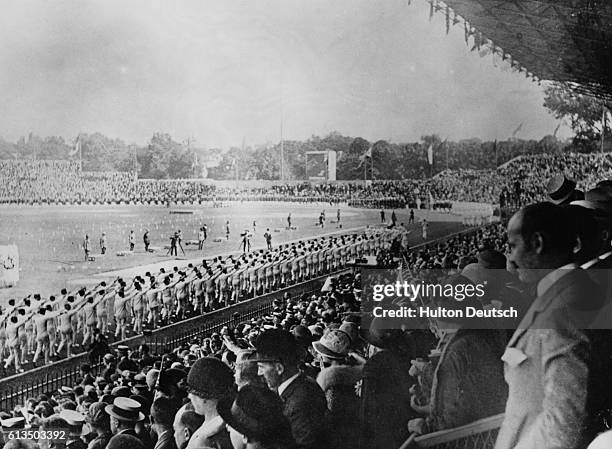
[(9, 266)]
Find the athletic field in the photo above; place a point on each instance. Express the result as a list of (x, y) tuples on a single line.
[(50, 237)]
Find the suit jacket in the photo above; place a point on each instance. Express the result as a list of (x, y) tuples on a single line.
[(468, 382), (546, 366), (166, 440), (305, 407), (385, 400), (600, 393)]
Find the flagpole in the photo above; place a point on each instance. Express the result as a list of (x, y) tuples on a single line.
[(282, 151), (365, 173), (446, 155), (80, 152), (603, 126), (495, 147)]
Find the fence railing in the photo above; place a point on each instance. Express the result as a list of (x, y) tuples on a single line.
[(477, 435), (18, 388)]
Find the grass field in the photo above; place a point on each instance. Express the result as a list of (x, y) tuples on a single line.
[(50, 237)]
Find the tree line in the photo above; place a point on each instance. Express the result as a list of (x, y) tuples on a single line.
[(165, 158)]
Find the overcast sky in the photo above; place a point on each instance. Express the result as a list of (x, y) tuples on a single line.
[(218, 71)]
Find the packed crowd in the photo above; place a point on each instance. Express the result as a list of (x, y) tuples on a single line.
[(43, 327), (316, 372), (516, 183)]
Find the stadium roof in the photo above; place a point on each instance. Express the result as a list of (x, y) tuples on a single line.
[(569, 41)]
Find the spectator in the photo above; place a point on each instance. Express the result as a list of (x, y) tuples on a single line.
[(186, 422), (99, 421), (124, 414), (304, 403), (338, 379), (162, 419), (385, 391), (125, 441), (255, 420), (209, 381)]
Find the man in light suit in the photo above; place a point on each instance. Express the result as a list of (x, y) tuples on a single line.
[(546, 362)]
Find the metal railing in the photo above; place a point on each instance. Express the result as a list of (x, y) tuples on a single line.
[(18, 388), (477, 435)]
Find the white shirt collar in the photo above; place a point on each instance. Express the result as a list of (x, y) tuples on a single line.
[(282, 387), (590, 263), (551, 278), (605, 255)]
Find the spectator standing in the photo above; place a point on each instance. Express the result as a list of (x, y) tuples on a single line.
[(209, 381), (162, 418), (255, 420), (186, 422), (385, 389), (547, 358), (304, 403), (99, 421), (124, 414), (338, 380)]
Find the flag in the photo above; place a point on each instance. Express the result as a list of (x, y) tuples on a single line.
[(77, 147), (430, 154), (515, 132), (366, 155)]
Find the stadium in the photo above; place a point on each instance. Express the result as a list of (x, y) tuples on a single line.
[(172, 294)]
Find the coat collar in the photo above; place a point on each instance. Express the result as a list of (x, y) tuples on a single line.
[(543, 302)]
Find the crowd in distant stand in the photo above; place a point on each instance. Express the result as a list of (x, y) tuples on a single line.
[(519, 182)]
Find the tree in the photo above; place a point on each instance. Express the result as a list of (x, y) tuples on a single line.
[(583, 112), (165, 158)]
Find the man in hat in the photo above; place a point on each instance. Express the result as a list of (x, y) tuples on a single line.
[(255, 419), (124, 414), (598, 263), (74, 421), (599, 203), (186, 422), (548, 348), (562, 190), (305, 406), (209, 381), (99, 421)]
